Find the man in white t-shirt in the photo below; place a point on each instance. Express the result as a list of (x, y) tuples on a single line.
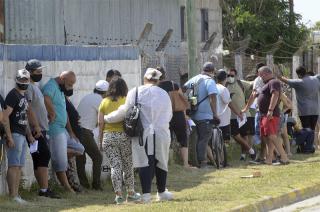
[(88, 110), (225, 105)]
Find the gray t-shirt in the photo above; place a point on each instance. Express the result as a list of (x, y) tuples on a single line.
[(36, 100), (307, 91)]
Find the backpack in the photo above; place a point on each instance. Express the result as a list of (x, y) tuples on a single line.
[(132, 122), (193, 97), (304, 140)]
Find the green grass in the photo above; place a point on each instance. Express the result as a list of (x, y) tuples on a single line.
[(194, 190)]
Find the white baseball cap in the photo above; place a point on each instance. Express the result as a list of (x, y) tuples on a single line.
[(22, 74), (102, 85), (152, 73)]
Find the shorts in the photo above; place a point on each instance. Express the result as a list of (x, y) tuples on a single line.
[(250, 126), (58, 149), (269, 127), (179, 127), (41, 157), (226, 132), (17, 155), (235, 130), (75, 145)]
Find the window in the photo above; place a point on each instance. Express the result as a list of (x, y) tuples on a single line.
[(182, 22), (204, 25)]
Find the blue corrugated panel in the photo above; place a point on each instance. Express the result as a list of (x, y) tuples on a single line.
[(68, 53)]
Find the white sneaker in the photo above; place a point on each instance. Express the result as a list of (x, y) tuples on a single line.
[(19, 200), (164, 196), (146, 198)]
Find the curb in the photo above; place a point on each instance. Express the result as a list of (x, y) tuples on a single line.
[(269, 203)]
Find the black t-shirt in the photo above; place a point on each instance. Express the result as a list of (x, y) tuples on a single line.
[(74, 118), (264, 97), (18, 117), (167, 86)]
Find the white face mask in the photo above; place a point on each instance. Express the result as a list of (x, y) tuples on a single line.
[(231, 79)]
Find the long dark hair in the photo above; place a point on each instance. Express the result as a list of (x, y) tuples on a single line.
[(117, 88)]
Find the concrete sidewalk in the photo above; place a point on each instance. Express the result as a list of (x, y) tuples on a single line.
[(270, 203)]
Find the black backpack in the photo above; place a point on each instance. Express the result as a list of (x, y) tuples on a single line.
[(132, 123)]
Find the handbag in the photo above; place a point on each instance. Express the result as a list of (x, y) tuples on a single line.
[(132, 122), (178, 100)]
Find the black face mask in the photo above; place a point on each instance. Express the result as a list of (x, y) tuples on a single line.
[(68, 93), (22, 86), (36, 77), (62, 88)]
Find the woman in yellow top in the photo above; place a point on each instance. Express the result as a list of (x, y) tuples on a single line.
[(116, 143)]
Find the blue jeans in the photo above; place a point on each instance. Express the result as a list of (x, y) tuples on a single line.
[(17, 155), (257, 118)]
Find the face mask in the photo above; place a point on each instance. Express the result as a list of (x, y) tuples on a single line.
[(22, 86), (68, 93), (62, 88), (36, 77), (231, 79)]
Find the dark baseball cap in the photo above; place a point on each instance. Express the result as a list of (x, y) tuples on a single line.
[(221, 75), (33, 64), (208, 67)]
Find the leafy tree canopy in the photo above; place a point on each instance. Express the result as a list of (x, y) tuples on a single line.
[(266, 21)]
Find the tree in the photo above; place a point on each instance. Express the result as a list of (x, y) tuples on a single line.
[(265, 21)]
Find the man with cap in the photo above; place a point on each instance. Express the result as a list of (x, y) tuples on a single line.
[(39, 126), (54, 98), (207, 109), (88, 110), (156, 112), (15, 123)]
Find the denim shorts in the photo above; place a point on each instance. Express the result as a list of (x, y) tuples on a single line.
[(17, 155), (58, 147)]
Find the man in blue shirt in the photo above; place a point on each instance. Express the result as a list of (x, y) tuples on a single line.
[(207, 109), (54, 96)]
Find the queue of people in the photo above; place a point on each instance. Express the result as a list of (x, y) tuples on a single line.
[(64, 133)]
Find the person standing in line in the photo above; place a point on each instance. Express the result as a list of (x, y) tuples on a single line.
[(15, 124), (54, 99), (207, 109), (268, 102), (116, 144), (39, 126), (88, 109), (308, 90), (178, 122), (153, 155), (236, 88)]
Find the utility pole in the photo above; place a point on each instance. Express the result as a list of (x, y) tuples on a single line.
[(192, 66)]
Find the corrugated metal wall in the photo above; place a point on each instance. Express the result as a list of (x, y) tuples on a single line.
[(83, 22)]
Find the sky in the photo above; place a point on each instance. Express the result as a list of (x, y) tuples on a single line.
[(309, 9)]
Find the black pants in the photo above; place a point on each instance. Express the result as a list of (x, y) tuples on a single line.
[(309, 121), (147, 173)]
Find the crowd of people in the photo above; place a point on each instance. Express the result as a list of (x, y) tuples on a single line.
[(251, 111)]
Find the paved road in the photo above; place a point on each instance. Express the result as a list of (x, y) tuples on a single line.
[(309, 205)]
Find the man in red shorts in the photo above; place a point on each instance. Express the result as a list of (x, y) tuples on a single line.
[(268, 101)]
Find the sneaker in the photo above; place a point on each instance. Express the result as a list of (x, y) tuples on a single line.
[(118, 200), (19, 200), (257, 161), (284, 162), (253, 156), (136, 197), (242, 158), (164, 196), (49, 194), (146, 198)]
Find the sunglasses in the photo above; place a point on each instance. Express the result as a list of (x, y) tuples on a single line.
[(230, 75)]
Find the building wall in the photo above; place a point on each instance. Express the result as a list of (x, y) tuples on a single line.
[(89, 63)]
